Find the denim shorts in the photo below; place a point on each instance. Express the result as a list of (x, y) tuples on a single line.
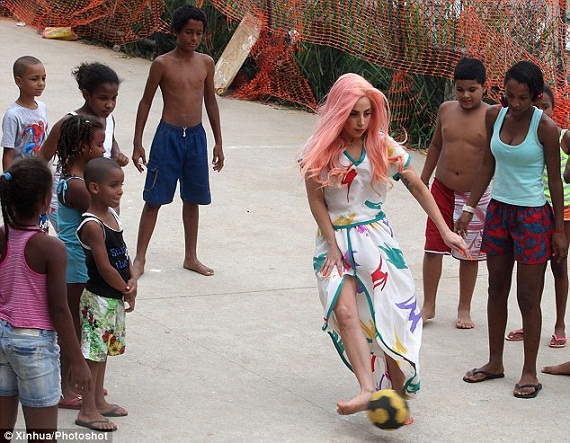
[(29, 365), (178, 154)]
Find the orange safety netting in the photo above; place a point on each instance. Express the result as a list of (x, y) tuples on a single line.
[(409, 37), (425, 37), (113, 22)]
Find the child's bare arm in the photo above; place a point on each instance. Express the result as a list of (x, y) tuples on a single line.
[(49, 146), (434, 150), (152, 83), (213, 112), (55, 255), (7, 158), (77, 196), (565, 142), (116, 153), (132, 288), (484, 174), (91, 234)]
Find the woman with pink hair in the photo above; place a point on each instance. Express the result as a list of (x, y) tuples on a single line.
[(365, 286)]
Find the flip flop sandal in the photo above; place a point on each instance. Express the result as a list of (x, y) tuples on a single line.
[(557, 342), (516, 335), (537, 387)]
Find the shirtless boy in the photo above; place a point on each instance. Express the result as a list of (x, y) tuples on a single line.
[(179, 151), (457, 151)]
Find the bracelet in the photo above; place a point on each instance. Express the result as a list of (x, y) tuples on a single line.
[(469, 209), (559, 231)]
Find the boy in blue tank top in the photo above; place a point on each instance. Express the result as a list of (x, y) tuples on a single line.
[(110, 290)]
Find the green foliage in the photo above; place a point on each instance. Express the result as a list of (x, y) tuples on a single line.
[(218, 33), (320, 65)]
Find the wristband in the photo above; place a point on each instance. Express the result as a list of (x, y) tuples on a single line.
[(559, 231), (468, 209)]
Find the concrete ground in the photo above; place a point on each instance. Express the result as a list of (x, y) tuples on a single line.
[(240, 356)]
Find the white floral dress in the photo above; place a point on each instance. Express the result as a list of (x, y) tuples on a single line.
[(389, 313)]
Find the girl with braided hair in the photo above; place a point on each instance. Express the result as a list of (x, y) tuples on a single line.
[(80, 140), (34, 312)]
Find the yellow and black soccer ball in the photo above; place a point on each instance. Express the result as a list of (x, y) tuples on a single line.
[(387, 409)]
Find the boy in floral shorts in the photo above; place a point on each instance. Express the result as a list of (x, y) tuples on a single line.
[(110, 290)]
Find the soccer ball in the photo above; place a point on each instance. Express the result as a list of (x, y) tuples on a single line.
[(387, 409)]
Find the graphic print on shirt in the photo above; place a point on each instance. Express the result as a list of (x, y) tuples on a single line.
[(35, 131)]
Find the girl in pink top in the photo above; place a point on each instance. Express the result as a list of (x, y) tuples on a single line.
[(33, 305)]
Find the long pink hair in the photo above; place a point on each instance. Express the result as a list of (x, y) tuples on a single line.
[(323, 151)]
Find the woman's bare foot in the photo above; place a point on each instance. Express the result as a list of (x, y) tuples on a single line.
[(198, 267), (357, 404), (464, 321), (561, 369)]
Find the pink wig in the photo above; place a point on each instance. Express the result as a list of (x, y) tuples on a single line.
[(323, 151)]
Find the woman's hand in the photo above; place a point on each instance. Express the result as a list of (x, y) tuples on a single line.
[(455, 241), (334, 258)]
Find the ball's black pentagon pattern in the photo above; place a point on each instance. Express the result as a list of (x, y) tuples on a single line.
[(387, 409)]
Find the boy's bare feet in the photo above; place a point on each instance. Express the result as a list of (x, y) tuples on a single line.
[(197, 266), (357, 404), (561, 369), (464, 321)]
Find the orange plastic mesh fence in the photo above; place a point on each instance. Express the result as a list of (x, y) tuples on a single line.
[(110, 21), (410, 37), (425, 37)]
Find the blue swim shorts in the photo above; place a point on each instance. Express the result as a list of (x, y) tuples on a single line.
[(29, 365), (178, 154)]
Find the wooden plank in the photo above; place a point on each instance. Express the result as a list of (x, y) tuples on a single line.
[(236, 51)]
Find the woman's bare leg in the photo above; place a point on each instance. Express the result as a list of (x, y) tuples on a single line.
[(355, 345)]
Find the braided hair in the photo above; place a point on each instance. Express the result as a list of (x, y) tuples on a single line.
[(22, 188), (74, 136)]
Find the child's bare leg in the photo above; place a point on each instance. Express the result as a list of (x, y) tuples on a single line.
[(561, 369), (467, 279), (560, 273), (100, 399), (74, 291), (500, 269), (355, 345), (8, 415), (528, 296), (190, 217), (89, 413), (431, 276), (147, 224), (41, 420)]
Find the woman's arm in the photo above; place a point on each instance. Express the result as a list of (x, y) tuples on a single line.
[(421, 193), (318, 208)]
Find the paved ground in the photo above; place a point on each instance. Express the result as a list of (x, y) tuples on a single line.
[(240, 357)]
